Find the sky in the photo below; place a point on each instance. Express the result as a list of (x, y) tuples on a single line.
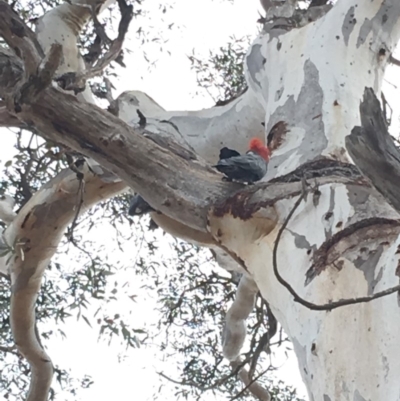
[(201, 25)]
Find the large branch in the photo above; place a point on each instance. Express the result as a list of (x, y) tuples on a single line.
[(174, 182), (33, 238)]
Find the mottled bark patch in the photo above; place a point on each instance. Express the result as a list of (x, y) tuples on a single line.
[(22, 280), (348, 25), (367, 261), (301, 242), (384, 20), (301, 115), (255, 62)]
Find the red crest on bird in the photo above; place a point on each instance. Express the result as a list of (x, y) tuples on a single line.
[(256, 145)]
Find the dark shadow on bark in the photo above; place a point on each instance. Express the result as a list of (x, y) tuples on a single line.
[(373, 150)]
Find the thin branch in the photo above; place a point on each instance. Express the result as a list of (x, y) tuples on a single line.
[(99, 28), (264, 340), (324, 307)]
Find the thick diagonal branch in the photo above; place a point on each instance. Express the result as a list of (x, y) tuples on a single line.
[(174, 181)]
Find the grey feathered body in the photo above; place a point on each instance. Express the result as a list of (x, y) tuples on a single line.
[(250, 167), (138, 206)]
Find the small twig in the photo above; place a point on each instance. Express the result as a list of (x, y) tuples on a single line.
[(394, 61), (310, 305), (264, 340)]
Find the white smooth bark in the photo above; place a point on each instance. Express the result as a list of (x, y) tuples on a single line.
[(206, 131), (62, 25), (314, 79)]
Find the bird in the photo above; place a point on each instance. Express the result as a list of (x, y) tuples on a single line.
[(138, 206), (226, 153), (248, 168)]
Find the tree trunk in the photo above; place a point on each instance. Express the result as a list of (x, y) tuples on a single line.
[(313, 79)]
